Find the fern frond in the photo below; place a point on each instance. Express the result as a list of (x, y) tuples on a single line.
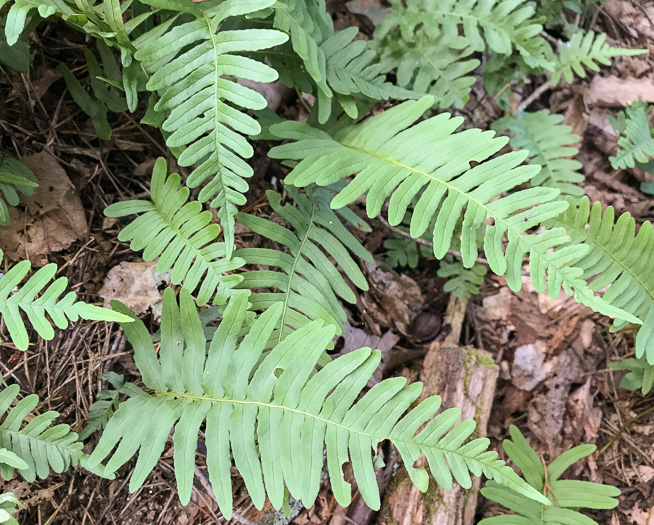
[(551, 146), (196, 62), (12, 302), (636, 142), (429, 66), (275, 413), (105, 405), (390, 157), (618, 260), (502, 25), (178, 232), (568, 495), (15, 178), (309, 283), (38, 444), (8, 504), (401, 251), (462, 282), (586, 49), (640, 374)]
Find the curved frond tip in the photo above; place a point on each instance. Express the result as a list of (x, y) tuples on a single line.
[(275, 413)]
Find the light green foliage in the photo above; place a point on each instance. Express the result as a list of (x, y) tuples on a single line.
[(343, 70), (8, 503), (39, 446), (401, 251), (551, 146), (619, 261), (639, 377), (461, 282), (636, 143), (391, 157), (13, 301), (568, 496), (16, 57), (586, 49), (106, 404), (276, 413), (193, 67), (309, 283), (15, 178), (178, 232)]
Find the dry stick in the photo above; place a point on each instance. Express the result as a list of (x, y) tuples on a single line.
[(624, 427), (535, 95)]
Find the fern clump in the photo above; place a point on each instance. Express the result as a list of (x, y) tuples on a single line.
[(568, 496), (551, 146), (275, 413), (636, 143), (620, 261), (390, 155), (25, 299), (309, 283), (462, 282), (181, 235), (15, 178), (193, 67)]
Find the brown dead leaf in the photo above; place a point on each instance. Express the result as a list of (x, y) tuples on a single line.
[(48, 221), (642, 517), (136, 285), (618, 92), (585, 418), (355, 338)]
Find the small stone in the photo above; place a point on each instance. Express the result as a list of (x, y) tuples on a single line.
[(527, 370)]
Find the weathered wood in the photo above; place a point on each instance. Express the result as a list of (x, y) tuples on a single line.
[(464, 378)]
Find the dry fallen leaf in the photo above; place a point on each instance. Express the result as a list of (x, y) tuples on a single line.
[(614, 91), (137, 285), (48, 221)]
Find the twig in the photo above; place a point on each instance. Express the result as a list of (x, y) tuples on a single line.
[(624, 427), (535, 95)]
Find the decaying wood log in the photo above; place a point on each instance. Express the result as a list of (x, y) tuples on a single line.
[(464, 378)]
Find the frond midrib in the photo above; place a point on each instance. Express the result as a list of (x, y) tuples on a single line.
[(184, 395), (613, 257)]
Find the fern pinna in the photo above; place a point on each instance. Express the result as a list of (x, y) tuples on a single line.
[(309, 284), (193, 65), (181, 235), (427, 162), (275, 413), (620, 261)]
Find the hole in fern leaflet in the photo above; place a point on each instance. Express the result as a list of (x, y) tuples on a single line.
[(278, 372)]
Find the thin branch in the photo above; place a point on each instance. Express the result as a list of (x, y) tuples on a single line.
[(535, 95)]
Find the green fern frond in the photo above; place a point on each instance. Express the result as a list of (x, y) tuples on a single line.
[(8, 504), (104, 407), (586, 49), (429, 66), (15, 178), (462, 282), (309, 283), (401, 251), (428, 162), (196, 63), (567, 495), (38, 444), (13, 301), (178, 232), (636, 142), (502, 25), (640, 374), (618, 261), (275, 413), (550, 144)]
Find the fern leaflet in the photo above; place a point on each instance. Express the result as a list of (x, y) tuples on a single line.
[(550, 144), (568, 495), (41, 447), (309, 282), (60, 311), (8, 503), (15, 178), (640, 375), (462, 282), (618, 259), (393, 159), (585, 49), (178, 232), (275, 413), (194, 63)]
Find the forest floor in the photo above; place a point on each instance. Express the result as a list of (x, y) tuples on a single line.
[(560, 395)]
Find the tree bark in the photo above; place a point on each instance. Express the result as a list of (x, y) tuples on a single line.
[(464, 378)]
